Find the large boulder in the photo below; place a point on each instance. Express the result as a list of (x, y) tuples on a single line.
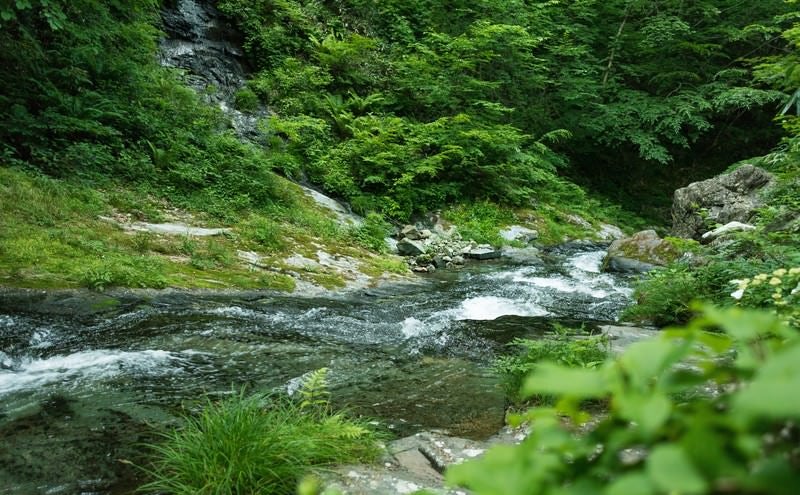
[(641, 252), (726, 198)]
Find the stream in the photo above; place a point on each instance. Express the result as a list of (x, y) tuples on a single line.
[(81, 392)]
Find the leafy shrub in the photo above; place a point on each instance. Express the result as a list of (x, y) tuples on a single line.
[(664, 296), (705, 409), (372, 233), (779, 290), (246, 100), (258, 444), (565, 348), (480, 221)]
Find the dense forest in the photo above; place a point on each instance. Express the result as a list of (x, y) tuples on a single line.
[(403, 107), (487, 112)]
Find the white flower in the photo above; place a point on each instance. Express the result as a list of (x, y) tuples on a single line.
[(737, 294), (780, 272), (774, 281)]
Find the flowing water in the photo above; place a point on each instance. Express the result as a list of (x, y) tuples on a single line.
[(80, 392)]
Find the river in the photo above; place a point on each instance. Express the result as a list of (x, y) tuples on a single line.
[(81, 392)]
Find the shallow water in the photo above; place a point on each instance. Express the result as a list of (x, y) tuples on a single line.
[(80, 394)]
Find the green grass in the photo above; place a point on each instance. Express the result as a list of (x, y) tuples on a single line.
[(256, 445), (52, 237)]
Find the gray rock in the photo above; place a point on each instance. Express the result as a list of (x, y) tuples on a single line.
[(440, 261), (622, 336), (732, 197), (483, 253), (458, 260), (620, 264), (176, 228), (411, 232), (579, 221), (425, 234), (410, 247), (639, 253), (610, 232), (526, 255), (519, 233), (725, 230)]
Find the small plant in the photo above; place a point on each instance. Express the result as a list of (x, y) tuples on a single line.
[(246, 100), (257, 444), (565, 347), (372, 233)]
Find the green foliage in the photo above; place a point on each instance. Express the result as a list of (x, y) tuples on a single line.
[(255, 444), (701, 409), (265, 232), (566, 347), (124, 271), (372, 233), (246, 100), (480, 221), (665, 296)]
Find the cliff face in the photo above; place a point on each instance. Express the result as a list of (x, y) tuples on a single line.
[(206, 47)]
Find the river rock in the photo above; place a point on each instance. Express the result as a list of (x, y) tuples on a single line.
[(458, 260), (411, 232), (483, 253), (410, 247), (725, 230), (641, 252), (610, 232), (732, 197), (519, 233)]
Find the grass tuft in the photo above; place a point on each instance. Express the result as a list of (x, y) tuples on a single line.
[(256, 445)]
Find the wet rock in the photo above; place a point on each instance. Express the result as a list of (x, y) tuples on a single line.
[(732, 197), (725, 230), (519, 233), (410, 247), (622, 336), (527, 255), (639, 253), (483, 253), (440, 261), (458, 260)]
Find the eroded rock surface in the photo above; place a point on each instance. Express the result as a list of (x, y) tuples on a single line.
[(732, 197)]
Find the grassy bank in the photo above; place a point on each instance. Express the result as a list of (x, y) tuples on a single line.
[(57, 234)]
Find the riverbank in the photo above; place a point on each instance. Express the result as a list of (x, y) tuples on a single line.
[(64, 235)]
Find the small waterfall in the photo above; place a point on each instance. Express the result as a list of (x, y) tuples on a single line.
[(200, 42)]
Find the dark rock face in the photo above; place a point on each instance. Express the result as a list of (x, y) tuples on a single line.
[(206, 47), (720, 200), (641, 252)]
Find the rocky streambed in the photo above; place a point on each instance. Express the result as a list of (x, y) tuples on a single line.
[(85, 378)]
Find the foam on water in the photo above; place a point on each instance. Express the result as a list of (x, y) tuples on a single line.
[(94, 364), (493, 307), (588, 262)]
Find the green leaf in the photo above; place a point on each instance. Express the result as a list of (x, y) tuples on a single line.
[(673, 472), (552, 379), (630, 484), (773, 392), (648, 412), (647, 360)]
